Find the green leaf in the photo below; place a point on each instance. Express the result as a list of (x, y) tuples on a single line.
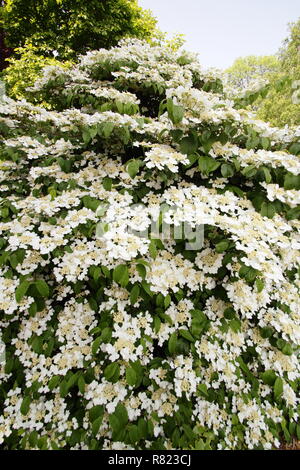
[(248, 273), (266, 332), (54, 381), (265, 142), (96, 412), (141, 270), (167, 301), (189, 146), (287, 349), (96, 344), (93, 304), (193, 158), (107, 183), (162, 107), (105, 271), (142, 428), (93, 131), (25, 405), (86, 136), (298, 431), (295, 148), (33, 438), (187, 335), (72, 380), (130, 376), (268, 210), (96, 425), (106, 335), (133, 168), (269, 377), (42, 288), (202, 388), (172, 343), (97, 272), (227, 170), (91, 203), (175, 112), (235, 325), (249, 171), (111, 371), (267, 174), (21, 290), (115, 423), (133, 433), (134, 294), (42, 443), (188, 431), (178, 114), (157, 323), (120, 275), (63, 389), (207, 164), (259, 285), (291, 181), (107, 129), (278, 388), (222, 246), (146, 288), (121, 414), (81, 384), (150, 427)]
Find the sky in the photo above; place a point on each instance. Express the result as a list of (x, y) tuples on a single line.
[(223, 30)]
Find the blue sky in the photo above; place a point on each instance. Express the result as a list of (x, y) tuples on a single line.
[(222, 30)]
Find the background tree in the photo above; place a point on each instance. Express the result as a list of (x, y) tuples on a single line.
[(281, 105), (72, 27), (51, 32), (4, 50), (278, 102), (246, 69), (26, 68)]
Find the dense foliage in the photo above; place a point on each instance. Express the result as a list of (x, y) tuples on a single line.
[(118, 340), (73, 26)]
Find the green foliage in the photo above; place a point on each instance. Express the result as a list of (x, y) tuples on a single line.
[(282, 105), (72, 27), (279, 101), (54, 32), (279, 107), (246, 69), (25, 68)]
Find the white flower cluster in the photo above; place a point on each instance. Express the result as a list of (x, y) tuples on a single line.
[(120, 331)]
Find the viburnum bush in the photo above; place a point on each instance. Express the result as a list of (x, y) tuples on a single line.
[(149, 261)]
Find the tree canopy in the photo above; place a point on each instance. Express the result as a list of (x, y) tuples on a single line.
[(282, 104), (246, 69), (72, 27), (270, 84)]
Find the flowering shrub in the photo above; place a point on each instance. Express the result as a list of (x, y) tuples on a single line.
[(116, 340)]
